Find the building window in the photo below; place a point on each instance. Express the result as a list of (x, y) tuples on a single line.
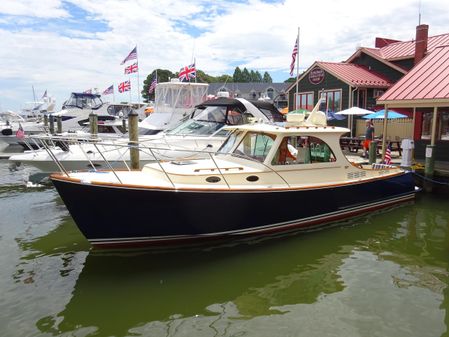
[(377, 93), (442, 132), (333, 100), (304, 100), (270, 93)]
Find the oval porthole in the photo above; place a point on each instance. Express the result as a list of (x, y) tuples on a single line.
[(213, 179), (252, 178)]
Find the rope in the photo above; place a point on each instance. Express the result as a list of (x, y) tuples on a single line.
[(431, 180)]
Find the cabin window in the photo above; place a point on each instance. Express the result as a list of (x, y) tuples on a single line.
[(302, 150), (255, 145), (105, 129), (229, 143)]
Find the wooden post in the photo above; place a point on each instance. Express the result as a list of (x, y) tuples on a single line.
[(124, 123), (93, 124), (45, 120), (372, 151), (59, 124), (133, 125), (384, 135), (429, 167), (52, 125)]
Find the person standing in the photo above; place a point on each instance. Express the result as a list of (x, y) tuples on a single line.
[(369, 137)]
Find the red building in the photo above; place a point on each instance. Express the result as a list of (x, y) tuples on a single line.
[(396, 74)]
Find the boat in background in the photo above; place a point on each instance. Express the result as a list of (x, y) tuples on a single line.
[(202, 131), (265, 179), (174, 101)]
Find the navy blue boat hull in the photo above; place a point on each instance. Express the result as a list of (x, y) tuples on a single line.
[(114, 215)]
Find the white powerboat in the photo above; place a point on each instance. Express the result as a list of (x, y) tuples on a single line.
[(202, 131), (265, 179), (175, 101)]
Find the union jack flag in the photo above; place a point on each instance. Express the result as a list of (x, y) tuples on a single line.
[(124, 86), (187, 72), (133, 68), (294, 54), (109, 90), (152, 85), (131, 56)]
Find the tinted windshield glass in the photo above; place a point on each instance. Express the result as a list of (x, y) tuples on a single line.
[(84, 102), (206, 122)]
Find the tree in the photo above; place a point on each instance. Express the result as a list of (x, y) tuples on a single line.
[(246, 77), (163, 75), (224, 79), (267, 78), (238, 76)]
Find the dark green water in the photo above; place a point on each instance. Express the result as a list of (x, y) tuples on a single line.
[(381, 275)]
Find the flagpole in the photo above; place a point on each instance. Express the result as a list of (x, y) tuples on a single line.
[(138, 77), (130, 90), (297, 71), (113, 94)]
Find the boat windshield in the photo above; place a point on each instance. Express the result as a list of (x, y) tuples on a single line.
[(208, 121), (87, 101), (253, 145)]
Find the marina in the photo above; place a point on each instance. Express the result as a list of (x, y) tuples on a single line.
[(193, 178), (364, 275)]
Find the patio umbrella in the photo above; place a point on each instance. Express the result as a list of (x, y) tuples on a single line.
[(354, 111), (381, 114)]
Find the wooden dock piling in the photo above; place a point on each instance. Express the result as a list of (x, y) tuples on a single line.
[(133, 125)]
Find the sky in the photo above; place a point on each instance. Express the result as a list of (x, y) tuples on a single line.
[(64, 46)]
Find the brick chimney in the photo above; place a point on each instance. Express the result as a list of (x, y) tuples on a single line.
[(422, 34), (382, 42)]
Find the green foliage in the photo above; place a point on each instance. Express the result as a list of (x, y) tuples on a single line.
[(246, 77), (163, 75), (267, 78), (239, 76)]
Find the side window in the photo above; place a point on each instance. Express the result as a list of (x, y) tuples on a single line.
[(302, 150), (255, 145)]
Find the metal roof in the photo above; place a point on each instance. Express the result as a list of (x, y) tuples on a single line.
[(406, 49), (427, 82), (354, 74)]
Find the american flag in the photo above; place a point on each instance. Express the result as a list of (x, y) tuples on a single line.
[(187, 72), (152, 85), (294, 54), (124, 86), (133, 68), (109, 90), (20, 134), (387, 159), (132, 56)]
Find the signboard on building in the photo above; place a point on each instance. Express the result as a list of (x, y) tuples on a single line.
[(316, 75)]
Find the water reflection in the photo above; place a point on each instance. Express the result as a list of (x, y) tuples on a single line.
[(397, 258)]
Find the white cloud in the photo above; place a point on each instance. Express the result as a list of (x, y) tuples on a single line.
[(82, 49), (33, 8)]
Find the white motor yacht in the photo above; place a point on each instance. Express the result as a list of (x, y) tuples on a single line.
[(202, 131)]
